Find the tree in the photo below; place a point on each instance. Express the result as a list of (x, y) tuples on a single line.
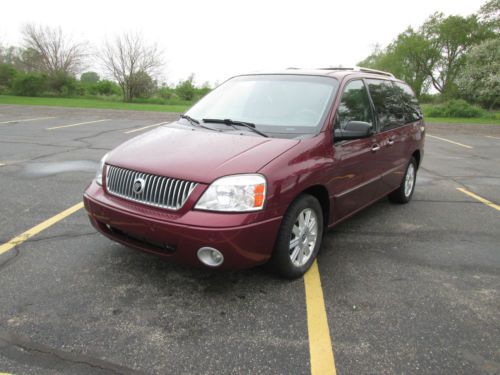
[(127, 57), (489, 15), (409, 57), (452, 36), (480, 80), (49, 51), (89, 77)]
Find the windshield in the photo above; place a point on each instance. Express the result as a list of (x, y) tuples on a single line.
[(276, 104)]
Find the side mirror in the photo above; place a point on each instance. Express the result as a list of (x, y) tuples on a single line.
[(353, 130)]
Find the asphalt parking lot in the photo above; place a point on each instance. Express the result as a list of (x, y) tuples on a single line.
[(407, 288)]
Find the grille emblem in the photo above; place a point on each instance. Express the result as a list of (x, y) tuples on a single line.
[(138, 186)]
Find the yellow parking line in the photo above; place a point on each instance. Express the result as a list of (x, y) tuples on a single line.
[(25, 120), (77, 124), (145, 127), (320, 344), (447, 140), (480, 199), (490, 136), (38, 228)]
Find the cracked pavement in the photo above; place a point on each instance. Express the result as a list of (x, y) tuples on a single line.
[(408, 288)]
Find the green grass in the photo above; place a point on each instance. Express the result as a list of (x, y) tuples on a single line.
[(462, 120), (93, 103)]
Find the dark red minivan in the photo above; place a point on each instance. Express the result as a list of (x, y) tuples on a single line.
[(258, 169)]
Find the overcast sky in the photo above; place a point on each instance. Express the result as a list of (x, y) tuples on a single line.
[(217, 39)]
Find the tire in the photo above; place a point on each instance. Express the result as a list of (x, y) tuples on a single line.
[(404, 193), (290, 233)]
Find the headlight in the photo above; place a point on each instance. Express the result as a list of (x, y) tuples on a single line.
[(98, 174), (238, 193)]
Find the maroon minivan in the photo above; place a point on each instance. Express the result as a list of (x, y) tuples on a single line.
[(258, 169)]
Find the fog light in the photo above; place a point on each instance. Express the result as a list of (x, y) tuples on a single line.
[(210, 256)]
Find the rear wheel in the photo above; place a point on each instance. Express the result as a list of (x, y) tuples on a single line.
[(299, 238), (404, 193)]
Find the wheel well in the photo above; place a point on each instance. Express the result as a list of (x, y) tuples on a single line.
[(321, 194), (416, 155)]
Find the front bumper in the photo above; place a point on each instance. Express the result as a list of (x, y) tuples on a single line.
[(248, 243)]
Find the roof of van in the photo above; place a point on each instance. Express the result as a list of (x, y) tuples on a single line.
[(339, 72)]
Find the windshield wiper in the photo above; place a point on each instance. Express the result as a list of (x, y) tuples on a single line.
[(234, 123), (195, 122)]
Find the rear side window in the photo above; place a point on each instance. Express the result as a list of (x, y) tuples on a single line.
[(387, 101), (354, 105), (412, 111)]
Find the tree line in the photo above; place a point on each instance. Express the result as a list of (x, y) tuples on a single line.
[(458, 57), (48, 63)]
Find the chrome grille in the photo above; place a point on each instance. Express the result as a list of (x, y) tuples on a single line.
[(159, 191)]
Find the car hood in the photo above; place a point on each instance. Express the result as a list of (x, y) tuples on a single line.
[(196, 154)]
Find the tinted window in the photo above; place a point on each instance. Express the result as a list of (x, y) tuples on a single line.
[(387, 101), (412, 111), (354, 105)]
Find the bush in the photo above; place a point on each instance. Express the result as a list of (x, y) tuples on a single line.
[(30, 84), (7, 75), (454, 108), (186, 90), (107, 88), (63, 85), (166, 93)]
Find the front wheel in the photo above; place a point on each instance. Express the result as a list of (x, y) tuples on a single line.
[(299, 238), (404, 193)]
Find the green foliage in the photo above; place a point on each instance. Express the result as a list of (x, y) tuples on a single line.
[(166, 93), (7, 75), (185, 89), (89, 77), (454, 108), (62, 84), (410, 57), (480, 80), (489, 15), (104, 87), (30, 84), (451, 37)]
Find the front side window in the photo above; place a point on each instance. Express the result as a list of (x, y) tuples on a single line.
[(279, 105), (354, 105), (388, 106)]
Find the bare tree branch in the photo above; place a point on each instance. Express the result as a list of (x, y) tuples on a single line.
[(127, 57), (52, 51)]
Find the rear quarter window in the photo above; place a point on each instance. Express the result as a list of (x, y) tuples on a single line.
[(386, 98), (412, 111)]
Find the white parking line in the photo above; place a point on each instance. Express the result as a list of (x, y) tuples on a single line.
[(145, 127), (25, 120), (490, 136), (2, 164), (77, 124), (447, 140)]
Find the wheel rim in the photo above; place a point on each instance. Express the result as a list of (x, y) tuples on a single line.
[(303, 237), (409, 180)]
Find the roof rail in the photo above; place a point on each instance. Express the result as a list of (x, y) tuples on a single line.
[(374, 71), (361, 69)]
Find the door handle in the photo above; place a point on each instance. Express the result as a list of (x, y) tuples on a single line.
[(375, 147), (390, 142)]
